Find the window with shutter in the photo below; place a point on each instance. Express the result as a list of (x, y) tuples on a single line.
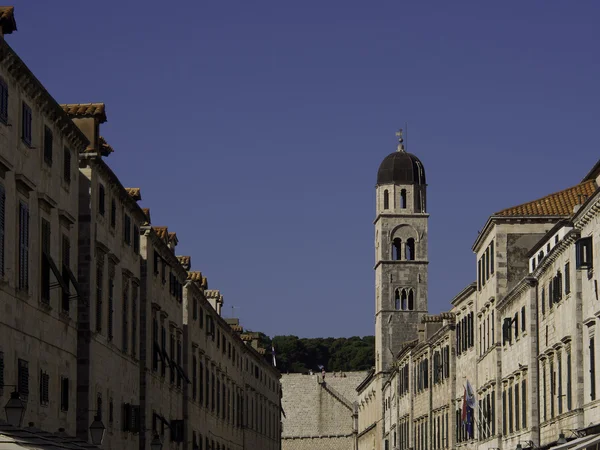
[(48, 142), (111, 410), (111, 290), (523, 318), (516, 322), (23, 377), (583, 250), (26, 117), (567, 278), (125, 317), (1, 372), (44, 387), (99, 297), (136, 239), (101, 199), (66, 165), (126, 417), (66, 264), (2, 227), (134, 300), (127, 229), (3, 101), (64, 394), (23, 245), (135, 419), (45, 275)]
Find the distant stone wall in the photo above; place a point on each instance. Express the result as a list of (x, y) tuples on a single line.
[(315, 418)]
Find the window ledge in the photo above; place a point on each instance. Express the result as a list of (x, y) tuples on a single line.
[(64, 316), (45, 306)]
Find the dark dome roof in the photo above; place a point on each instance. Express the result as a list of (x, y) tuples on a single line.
[(401, 168)]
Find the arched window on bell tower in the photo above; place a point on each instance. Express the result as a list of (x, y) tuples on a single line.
[(410, 249), (397, 299), (403, 199), (386, 199), (411, 300), (404, 300), (397, 249)]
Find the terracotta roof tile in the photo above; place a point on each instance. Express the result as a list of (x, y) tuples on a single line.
[(173, 236), (7, 19), (194, 276), (86, 110), (105, 148), (162, 232), (204, 283), (237, 328), (185, 261), (134, 193), (557, 204), (147, 212), (246, 337)]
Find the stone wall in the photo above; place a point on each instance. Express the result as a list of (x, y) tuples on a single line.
[(317, 415)]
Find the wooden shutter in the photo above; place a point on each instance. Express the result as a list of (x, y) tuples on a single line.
[(23, 377), (126, 417), (23, 246), (48, 138), (67, 165), (64, 394), (3, 101), (1, 371)]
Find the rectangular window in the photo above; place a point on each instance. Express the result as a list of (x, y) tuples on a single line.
[(544, 390), (543, 302), (592, 370), (136, 239), (517, 405), (524, 403), (127, 229), (134, 301), (523, 319), (504, 413), (487, 263), (26, 124), (67, 165), (559, 396), (125, 318), (584, 253), (510, 410), (155, 344), (172, 355), (3, 102), (23, 246), (23, 377), (156, 262), (569, 398), (492, 256), (552, 388), (163, 343), (64, 394), (48, 143), (66, 264), (44, 387), (516, 321), (101, 199), (201, 384), (194, 378), (479, 274), (113, 213), (567, 278), (195, 309), (99, 285), (45, 275), (550, 294), (111, 292)]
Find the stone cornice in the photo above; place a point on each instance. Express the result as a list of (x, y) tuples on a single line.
[(589, 210), (518, 289), (40, 96), (393, 262), (164, 251), (556, 251), (395, 216)]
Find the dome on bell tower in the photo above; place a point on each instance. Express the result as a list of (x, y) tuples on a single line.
[(401, 167)]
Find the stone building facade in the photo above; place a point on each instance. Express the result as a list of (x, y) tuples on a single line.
[(39, 193), (101, 320)]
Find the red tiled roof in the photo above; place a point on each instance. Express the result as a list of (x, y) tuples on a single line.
[(86, 110), (134, 193), (557, 204), (185, 261), (194, 276), (162, 232)]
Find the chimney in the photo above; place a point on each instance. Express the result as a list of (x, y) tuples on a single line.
[(88, 117), (7, 20)]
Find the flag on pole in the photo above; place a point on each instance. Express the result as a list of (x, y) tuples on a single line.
[(468, 407), (273, 355)]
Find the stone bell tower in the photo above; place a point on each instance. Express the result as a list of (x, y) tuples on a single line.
[(400, 253)]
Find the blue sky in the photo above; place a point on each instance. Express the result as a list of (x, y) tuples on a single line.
[(255, 129)]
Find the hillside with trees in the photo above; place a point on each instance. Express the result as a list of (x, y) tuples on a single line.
[(299, 355)]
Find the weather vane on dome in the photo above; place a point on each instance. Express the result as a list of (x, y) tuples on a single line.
[(400, 140)]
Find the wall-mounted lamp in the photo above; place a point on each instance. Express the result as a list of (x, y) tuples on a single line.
[(97, 430), (156, 443), (15, 408), (529, 444), (561, 438)]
